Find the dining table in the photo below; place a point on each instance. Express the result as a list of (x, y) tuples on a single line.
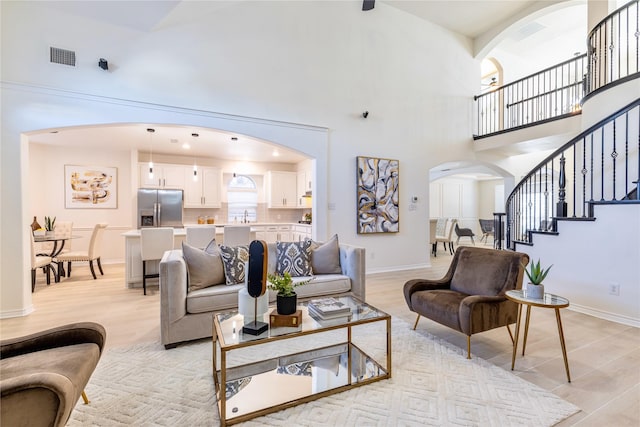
[(58, 246)]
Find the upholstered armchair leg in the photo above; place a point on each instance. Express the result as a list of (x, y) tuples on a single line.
[(84, 397), (47, 270), (415, 325), (99, 266), (33, 280), (468, 346), (69, 269), (92, 271)]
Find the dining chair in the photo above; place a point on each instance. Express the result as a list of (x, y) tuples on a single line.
[(154, 242), (200, 236), (93, 254), (237, 235), (446, 237), (40, 261)]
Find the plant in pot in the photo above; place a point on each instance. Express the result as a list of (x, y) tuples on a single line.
[(286, 299), (536, 275), (49, 225)]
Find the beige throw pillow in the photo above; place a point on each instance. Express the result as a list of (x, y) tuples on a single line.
[(204, 267), (325, 257)]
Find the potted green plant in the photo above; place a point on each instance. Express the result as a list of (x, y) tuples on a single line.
[(536, 275), (286, 299), (49, 225)]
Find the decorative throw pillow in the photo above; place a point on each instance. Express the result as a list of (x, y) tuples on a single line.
[(294, 258), (325, 257), (204, 268), (234, 258)]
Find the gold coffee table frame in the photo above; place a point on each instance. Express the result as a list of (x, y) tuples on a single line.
[(226, 342), (547, 301)]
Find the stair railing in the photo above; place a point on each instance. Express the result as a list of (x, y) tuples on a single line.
[(614, 48), (600, 165), (550, 94)]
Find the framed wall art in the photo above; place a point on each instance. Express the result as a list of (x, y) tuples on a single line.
[(90, 187), (377, 187)]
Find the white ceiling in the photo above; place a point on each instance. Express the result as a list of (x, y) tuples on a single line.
[(467, 17)]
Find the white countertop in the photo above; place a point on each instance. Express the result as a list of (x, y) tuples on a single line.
[(220, 227)]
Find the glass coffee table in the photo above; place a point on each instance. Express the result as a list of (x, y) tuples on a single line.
[(287, 366)]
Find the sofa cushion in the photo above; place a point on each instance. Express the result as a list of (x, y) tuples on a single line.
[(234, 258), (204, 267), (325, 257), (324, 284), (213, 298), (294, 258)]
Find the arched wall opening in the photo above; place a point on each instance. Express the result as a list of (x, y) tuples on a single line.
[(28, 109)]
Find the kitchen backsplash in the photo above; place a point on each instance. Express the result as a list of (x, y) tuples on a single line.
[(190, 216)]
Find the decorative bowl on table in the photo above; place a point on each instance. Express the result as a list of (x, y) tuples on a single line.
[(39, 233)]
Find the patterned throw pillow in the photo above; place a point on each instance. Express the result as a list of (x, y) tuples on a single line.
[(204, 267), (294, 258), (234, 258)]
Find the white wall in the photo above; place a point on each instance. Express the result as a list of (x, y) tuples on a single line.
[(46, 183), (609, 254), (318, 63), (456, 198)]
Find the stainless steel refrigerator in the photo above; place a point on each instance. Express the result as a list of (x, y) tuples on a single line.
[(159, 208)]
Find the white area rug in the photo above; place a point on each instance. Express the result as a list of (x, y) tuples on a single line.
[(432, 384)]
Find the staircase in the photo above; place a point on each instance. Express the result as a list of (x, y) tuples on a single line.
[(579, 208)]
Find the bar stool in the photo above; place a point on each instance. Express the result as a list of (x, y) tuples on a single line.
[(154, 242), (237, 235), (200, 236)]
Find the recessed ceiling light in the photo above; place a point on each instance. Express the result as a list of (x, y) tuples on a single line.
[(234, 138), (186, 146), (275, 153)]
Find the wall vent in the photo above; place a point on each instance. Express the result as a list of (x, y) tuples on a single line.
[(62, 56)]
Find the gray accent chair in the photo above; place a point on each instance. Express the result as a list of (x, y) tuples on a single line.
[(44, 374), (186, 316), (470, 298)]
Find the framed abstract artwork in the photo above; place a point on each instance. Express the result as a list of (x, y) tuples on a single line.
[(377, 187), (90, 187)]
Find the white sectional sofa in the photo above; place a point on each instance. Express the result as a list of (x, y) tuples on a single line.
[(186, 316)]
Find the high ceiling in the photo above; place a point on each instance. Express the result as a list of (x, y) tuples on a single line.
[(470, 18)]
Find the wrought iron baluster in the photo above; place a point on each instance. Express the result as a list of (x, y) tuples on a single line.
[(561, 208), (584, 177), (614, 156)]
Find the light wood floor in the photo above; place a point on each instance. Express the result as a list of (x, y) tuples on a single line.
[(604, 357)]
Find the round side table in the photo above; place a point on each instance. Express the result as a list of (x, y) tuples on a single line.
[(548, 301)]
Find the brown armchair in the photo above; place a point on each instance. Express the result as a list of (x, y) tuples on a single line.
[(44, 374), (470, 297)]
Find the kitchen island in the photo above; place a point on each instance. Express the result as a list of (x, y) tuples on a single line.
[(269, 232)]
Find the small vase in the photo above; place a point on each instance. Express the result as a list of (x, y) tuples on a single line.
[(287, 305), (34, 224), (535, 291)]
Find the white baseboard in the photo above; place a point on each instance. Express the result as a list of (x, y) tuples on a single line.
[(398, 268), (625, 320), (16, 313)]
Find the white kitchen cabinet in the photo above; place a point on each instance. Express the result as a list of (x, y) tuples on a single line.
[(303, 184), (275, 233), (206, 191), (301, 232), (282, 189), (164, 176)]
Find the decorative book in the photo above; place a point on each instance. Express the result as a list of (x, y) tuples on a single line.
[(328, 307)]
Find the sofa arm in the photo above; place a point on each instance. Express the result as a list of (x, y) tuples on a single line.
[(352, 263), (173, 290), (75, 333)]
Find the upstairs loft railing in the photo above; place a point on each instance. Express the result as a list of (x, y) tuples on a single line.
[(601, 165), (614, 48), (613, 57), (550, 94)]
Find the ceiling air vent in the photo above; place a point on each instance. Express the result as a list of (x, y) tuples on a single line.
[(62, 56)]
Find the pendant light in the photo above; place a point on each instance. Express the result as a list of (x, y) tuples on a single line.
[(195, 166), (151, 131)]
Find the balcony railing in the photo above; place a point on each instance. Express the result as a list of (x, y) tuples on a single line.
[(601, 165), (550, 94), (614, 47)]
